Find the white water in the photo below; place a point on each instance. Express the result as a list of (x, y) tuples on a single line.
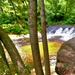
[(63, 34)]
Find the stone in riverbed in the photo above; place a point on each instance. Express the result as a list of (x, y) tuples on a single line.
[(66, 58)]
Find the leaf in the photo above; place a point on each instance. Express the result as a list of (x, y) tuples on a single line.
[(65, 65), (0, 56)]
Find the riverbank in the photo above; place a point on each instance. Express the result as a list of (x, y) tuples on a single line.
[(24, 48)]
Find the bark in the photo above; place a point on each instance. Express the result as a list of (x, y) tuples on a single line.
[(3, 54), (32, 20), (3, 61), (65, 64), (15, 57), (3, 67), (44, 39)]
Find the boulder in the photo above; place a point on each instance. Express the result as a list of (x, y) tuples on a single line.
[(65, 64)]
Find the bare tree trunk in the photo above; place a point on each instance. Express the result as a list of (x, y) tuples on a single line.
[(3, 54), (44, 39), (32, 20), (15, 57), (3, 67), (3, 61)]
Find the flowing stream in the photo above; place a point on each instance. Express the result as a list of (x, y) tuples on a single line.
[(61, 32), (58, 32)]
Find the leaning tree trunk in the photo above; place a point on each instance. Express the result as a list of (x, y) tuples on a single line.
[(3, 62), (15, 57), (32, 20), (3, 54), (44, 39), (3, 67)]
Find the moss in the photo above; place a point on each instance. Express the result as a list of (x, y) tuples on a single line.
[(52, 46)]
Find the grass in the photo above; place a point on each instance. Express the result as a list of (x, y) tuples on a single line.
[(28, 60), (53, 47)]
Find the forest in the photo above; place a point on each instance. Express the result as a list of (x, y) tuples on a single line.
[(14, 14), (22, 17)]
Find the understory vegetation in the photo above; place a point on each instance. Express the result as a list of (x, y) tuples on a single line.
[(14, 20), (53, 48), (27, 57), (14, 14)]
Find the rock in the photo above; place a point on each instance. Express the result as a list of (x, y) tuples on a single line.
[(28, 35), (39, 35), (66, 58)]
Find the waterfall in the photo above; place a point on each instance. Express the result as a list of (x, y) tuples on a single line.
[(62, 32)]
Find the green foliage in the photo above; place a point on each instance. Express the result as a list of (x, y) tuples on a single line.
[(6, 27), (70, 19), (60, 11), (4, 70), (65, 65), (25, 31), (28, 68), (13, 11), (16, 11), (17, 29), (5, 19)]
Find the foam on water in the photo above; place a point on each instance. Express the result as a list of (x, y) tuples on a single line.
[(62, 32)]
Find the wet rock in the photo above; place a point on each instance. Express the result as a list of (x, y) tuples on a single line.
[(66, 58)]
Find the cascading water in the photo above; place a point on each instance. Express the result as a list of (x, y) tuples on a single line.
[(62, 32)]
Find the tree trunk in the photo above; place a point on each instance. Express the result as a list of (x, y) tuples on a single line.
[(32, 20), (3, 67), (15, 57), (3, 61), (3, 54), (44, 39)]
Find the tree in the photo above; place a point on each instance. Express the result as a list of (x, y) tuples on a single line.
[(3, 67), (3, 54), (15, 57), (44, 39), (70, 5), (3, 62), (32, 20)]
